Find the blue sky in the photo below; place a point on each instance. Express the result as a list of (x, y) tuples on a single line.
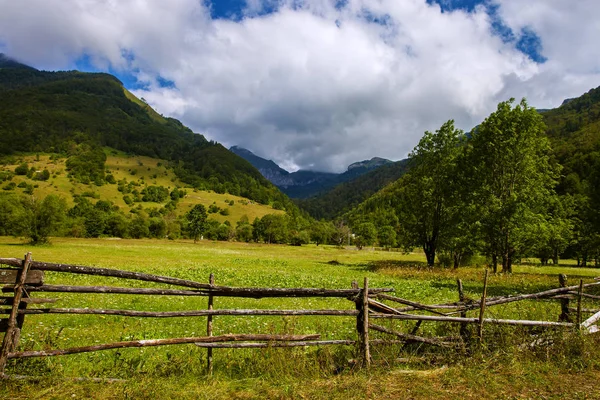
[(318, 84)]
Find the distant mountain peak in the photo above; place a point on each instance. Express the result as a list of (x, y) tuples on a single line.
[(7, 62), (374, 162)]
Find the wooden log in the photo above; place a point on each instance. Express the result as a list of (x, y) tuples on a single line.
[(255, 345), (579, 303), (482, 305), (565, 314), (11, 330), (8, 301), (410, 338), (413, 304), (586, 295), (589, 323), (188, 313), (256, 293), (412, 317), (162, 342), (80, 269), (464, 331), (11, 275), (209, 328), (215, 290), (365, 306)]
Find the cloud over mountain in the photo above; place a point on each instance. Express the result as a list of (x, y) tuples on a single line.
[(318, 84)]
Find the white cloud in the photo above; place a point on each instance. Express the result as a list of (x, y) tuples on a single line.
[(313, 86)]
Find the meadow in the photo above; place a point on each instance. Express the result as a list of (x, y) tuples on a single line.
[(500, 368)]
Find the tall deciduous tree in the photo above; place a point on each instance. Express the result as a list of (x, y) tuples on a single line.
[(512, 180), (196, 221), (428, 192), (38, 219)]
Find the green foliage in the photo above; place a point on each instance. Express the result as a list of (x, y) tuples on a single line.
[(157, 194), (513, 179), (196, 221), (38, 219), (86, 164), (22, 169), (365, 234)]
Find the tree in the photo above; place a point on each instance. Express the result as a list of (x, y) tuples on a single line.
[(427, 197), (366, 233), (321, 232), (386, 236), (512, 180), (196, 221), (37, 219)]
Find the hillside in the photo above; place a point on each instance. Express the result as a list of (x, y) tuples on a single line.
[(304, 184), (75, 114), (132, 172), (348, 195)]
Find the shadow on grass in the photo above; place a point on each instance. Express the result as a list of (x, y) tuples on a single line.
[(412, 266)]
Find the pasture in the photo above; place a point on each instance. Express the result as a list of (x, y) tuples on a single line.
[(501, 368)]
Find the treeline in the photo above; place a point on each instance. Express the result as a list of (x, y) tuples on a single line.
[(499, 191), (76, 114), (39, 218)]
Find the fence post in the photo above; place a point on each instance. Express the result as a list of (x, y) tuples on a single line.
[(13, 332), (565, 314), (464, 333), (366, 353), (580, 295), (209, 328), (482, 305)]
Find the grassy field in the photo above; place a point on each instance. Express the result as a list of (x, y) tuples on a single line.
[(143, 171), (499, 369)]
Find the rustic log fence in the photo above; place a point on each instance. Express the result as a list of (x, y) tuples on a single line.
[(25, 277)]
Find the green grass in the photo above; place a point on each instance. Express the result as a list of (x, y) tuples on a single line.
[(178, 371)]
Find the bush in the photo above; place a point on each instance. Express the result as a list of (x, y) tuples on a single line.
[(22, 169)]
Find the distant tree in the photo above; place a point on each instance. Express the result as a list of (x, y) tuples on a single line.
[(196, 221), (139, 227), (22, 169), (321, 232), (512, 180), (365, 234), (38, 219)]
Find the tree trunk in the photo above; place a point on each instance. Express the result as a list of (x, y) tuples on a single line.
[(429, 250), (495, 262), (457, 257)]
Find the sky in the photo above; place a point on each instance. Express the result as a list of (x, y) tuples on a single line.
[(318, 84)]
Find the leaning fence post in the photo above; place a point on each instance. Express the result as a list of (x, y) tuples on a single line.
[(579, 296), (209, 328), (482, 305), (463, 314), (12, 334), (365, 334), (565, 314)]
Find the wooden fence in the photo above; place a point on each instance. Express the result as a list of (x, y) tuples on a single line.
[(24, 277)]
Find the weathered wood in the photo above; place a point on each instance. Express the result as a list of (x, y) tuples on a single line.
[(8, 301), (410, 338), (565, 314), (589, 323), (482, 305), (413, 317), (188, 313), (209, 328), (464, 331), (413, 304), (255, 345), (11, 275), (586, 295), (162, 342), (365, 345), (579, 302), (11, 334), (215, 290), (255, 293)]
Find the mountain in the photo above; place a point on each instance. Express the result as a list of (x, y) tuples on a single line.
[(77, 114), (304, 184), (344, 197)]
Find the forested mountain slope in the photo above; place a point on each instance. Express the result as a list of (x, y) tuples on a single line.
[(76, 114)]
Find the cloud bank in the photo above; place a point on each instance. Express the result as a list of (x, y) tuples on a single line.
[(319, 84)]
